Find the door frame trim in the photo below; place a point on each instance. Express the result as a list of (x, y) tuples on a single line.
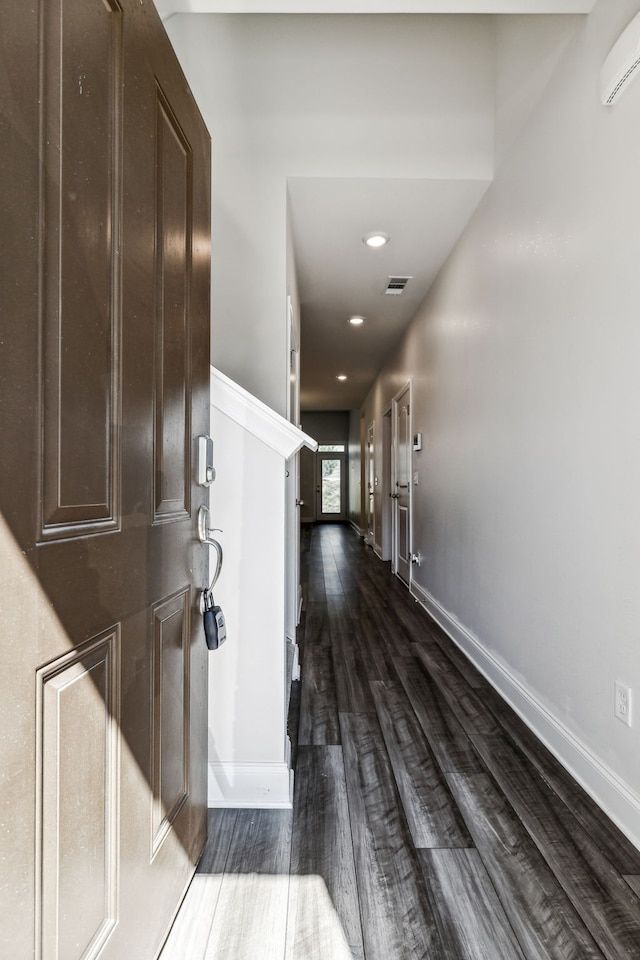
[(394, 473), (385, 545)]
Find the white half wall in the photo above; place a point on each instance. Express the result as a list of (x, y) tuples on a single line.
[(524, 361), (248, 762), (249, 750)]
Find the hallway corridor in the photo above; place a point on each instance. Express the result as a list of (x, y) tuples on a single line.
[(427, 823)]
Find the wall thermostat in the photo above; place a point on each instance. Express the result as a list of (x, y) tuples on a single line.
[(417, 441)]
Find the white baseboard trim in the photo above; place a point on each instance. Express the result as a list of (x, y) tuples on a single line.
[(610, 792), (258, 785), (357, 529)]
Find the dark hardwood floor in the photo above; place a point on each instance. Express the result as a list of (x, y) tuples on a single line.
[(428, 822)]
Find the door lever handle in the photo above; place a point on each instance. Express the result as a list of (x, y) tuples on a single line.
[(204, 535), (204, 530)]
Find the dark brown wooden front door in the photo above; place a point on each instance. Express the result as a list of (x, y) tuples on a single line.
[(104, 384)]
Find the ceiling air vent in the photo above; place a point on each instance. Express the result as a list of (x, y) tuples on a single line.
[(396, 285)]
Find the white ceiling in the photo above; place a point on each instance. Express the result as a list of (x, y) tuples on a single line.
[(339, 276), (167, 7), (408, 149)]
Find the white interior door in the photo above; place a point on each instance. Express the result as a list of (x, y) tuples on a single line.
[(386, 506), (370, 475), (401, 492)]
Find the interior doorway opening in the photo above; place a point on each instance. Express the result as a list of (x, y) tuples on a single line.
[(324, 475)]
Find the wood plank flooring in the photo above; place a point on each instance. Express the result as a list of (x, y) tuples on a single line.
[(428, 822)]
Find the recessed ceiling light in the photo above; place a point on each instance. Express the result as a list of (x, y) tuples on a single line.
[(341, 376), (376, 239), (356, 321)]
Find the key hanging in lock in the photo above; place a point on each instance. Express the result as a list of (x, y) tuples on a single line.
[(215, 628)]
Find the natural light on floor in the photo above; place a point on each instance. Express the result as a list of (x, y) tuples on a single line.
[(257, 917)]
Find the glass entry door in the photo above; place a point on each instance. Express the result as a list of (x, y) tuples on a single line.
[(331, 486)]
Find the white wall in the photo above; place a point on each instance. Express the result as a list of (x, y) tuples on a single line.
[(295, 96), (524, 361), (527, 53)]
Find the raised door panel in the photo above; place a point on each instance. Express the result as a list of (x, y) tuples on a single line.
[(171, 727), (173, 272), (81, 316), (403, 536), (77, 801)]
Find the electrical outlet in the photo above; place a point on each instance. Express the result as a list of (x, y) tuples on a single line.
[(622, 702)]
